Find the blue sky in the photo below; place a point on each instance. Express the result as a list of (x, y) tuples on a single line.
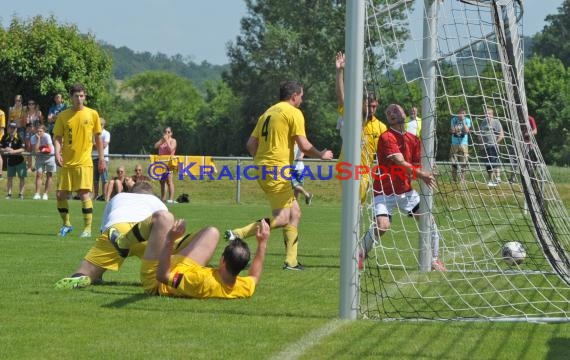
[(197, 29)]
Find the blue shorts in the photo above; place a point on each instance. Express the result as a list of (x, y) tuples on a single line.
[(96, 174), (492, 157)]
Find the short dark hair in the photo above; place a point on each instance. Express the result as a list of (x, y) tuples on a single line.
[(236, 256), (142, 187), (288, 88), (77, 87)]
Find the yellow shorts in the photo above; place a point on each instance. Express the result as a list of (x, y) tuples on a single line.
[(104, 254), (75, 178), (277, 190)]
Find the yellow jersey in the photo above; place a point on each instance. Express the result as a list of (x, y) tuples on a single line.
[(275, 130), (2, 122), (189, 279), (77, 129), (371, 131)]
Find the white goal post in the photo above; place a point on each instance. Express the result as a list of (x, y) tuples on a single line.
[(467, 54)]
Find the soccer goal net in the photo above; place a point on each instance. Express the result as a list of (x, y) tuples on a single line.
[(445, 56)]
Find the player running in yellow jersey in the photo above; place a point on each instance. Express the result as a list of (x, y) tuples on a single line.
[(372, 128), (74, 131), (271, 144)]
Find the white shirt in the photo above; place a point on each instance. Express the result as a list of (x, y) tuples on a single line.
[(129, 207), (45, 140), (105, 139)]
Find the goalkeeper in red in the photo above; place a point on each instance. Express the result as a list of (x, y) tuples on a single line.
[(398, 154)]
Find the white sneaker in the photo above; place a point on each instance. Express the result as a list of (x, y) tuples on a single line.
[(37, 196), (45, 196), (491, 184)]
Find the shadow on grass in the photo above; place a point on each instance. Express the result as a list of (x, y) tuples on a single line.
[(558, 348), (121, 303)]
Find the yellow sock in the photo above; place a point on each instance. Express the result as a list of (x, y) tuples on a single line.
[(251, 229), (291, 238), (246, 231), (87, 210), (63, 208)]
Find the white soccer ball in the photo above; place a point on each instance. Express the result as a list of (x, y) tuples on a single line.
[(513, 253)]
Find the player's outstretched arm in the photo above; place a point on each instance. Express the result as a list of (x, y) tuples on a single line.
[(262, 236), (176, 231)]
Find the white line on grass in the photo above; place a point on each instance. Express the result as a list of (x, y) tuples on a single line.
[(296, 349)]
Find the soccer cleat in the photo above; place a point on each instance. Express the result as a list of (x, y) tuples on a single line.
[(309, 199), (230, 235), (85, 234), (114, 236), (37, 196), (171, 202), (8, 197), (73, 282), (437, 265), (64, 230), (45, 196), (491, 184), (299, 267), (21, 197)]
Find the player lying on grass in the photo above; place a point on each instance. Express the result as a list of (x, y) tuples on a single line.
[(186, 274), (131, 213)]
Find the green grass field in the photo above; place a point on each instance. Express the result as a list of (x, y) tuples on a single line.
[(293, 315)]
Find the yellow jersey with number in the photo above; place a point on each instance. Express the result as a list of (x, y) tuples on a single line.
[(77, 129), (275, 130)]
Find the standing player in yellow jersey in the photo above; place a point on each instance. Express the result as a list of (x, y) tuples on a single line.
[(372, 128), (271, 144), (74, 130)]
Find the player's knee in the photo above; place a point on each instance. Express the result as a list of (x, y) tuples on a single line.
[(163, 217), (212, 233)]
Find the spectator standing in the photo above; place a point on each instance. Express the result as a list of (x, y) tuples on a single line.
[(103, 176), (54, 110), (491, 132), (74, 130), (459, 152), (42, 146), (34, 118), (2, 131), (12, 145), (17, 114), (167, 146), (529, 154), (413, 123)]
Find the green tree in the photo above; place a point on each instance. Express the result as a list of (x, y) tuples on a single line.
[(40, 57), (548, 98), (151, 101), (219, 125), (554, 39), (282, 40)]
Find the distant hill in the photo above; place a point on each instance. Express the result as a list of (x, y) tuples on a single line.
[(127, 63)]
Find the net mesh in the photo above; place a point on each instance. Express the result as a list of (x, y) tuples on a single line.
[(503, 193)]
